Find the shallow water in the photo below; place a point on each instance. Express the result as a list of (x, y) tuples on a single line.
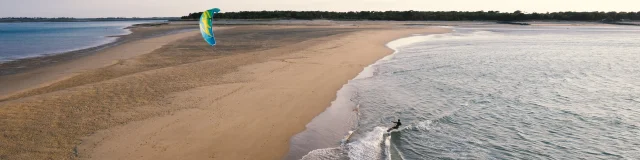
[(501, 93), (31, 39)]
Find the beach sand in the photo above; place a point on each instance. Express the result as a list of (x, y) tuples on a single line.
[(175, 97)]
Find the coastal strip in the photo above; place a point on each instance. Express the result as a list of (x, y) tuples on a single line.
[(242, 99), (253, 118)]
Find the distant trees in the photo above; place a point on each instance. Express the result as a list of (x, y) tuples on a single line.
[(426, 15), (36, 19)]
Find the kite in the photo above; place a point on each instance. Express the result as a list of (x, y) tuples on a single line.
[(206, 25)]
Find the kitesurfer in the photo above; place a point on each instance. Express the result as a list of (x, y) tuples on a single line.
[(395, 127)]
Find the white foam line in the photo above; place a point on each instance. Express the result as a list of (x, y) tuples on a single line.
[(395, 46)]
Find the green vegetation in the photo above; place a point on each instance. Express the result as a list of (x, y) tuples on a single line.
[(426, 15)]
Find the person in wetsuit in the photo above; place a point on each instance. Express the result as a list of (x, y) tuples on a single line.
[(395, 127)]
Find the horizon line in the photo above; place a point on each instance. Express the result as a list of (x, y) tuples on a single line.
[(178, 16)]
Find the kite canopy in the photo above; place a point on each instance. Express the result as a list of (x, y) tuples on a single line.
[(206, 25)]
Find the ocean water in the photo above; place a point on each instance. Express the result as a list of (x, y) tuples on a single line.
[(491, 93), (32, 39)]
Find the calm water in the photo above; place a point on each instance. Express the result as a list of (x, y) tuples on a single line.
[(22, 40), (499, 93)]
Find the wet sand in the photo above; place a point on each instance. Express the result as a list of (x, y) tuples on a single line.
[(175, 97)]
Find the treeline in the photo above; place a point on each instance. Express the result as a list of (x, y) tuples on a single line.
[(426, 15), (36, 19)]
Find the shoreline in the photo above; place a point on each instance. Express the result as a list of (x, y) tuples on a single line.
[(25, 64), (339, 121), (31, 73), (104, 145), (185, 99)]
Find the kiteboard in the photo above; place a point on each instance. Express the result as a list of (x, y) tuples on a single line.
[(348, 136)]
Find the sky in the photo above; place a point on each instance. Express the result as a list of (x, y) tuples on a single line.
[(176, 8)]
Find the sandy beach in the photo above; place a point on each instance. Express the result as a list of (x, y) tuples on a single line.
[(175, 97)]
